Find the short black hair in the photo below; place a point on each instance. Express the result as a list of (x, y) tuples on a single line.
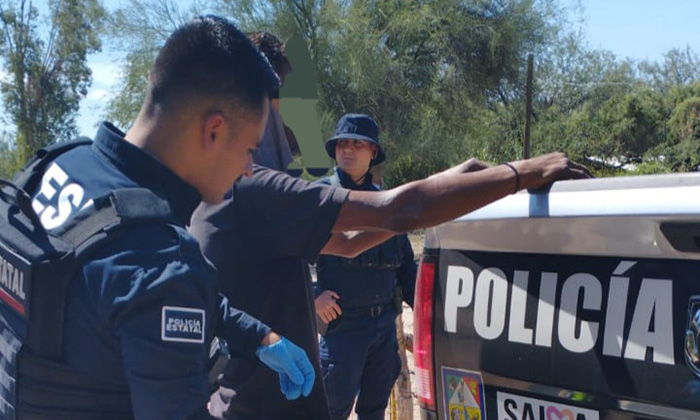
[(209, 56), (273, 49)]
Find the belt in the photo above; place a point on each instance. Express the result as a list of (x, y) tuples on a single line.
[(374, 311)]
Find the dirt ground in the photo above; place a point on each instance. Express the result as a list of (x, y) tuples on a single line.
[(416, 239)]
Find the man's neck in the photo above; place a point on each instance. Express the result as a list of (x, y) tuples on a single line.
[(156, 137)]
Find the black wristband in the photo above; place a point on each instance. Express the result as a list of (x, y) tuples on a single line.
[(517, 176)]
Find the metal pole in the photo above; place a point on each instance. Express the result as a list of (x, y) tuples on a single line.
[(528, 107)]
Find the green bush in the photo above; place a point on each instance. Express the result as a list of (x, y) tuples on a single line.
[(650, 168), (411, 167)]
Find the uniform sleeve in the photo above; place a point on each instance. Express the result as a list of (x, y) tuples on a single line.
[(407, 271), (242, 332), (286, 216), (157, 295)]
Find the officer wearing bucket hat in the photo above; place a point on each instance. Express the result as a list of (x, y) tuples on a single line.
[(357, 127), (359, 297)]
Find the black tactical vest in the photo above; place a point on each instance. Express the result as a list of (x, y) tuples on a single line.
[(35, 269), (366, 280), (385, 256)]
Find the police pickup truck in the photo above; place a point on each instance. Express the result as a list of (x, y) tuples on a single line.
[(581, 302)]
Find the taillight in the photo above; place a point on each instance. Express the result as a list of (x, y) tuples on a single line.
[(423, 334)]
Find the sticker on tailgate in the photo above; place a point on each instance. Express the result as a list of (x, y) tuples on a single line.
[(464, 394), (516, 407)]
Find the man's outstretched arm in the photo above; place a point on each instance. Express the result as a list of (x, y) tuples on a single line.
[(351, 244), (450, 194)]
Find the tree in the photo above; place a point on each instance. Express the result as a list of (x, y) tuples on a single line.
[(445, 78), (9, 161), (47, 68), (426, 70), (679, 67), (684, 127)]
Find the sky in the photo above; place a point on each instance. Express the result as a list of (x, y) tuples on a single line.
[(105, 68), (638, 29)]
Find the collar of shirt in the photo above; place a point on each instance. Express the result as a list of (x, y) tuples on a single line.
[(348, 183), (147, 171)]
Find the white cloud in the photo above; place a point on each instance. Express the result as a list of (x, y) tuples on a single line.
[(105, 75)]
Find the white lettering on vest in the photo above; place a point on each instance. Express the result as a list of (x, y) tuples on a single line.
[(70, 198), (12, 279)]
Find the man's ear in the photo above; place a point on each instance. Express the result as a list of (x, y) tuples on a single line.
[(213, 132)]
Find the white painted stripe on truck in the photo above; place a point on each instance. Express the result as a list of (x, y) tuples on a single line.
[(633, 202)]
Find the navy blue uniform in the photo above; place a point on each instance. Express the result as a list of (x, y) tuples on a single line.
[(359, 351), (142, 311), (260, 240)]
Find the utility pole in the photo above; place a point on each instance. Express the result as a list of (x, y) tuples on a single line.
[(528, 107)]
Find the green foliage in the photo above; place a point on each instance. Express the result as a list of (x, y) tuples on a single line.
[(650, 168), (47, 68), (679, 68), (684, 131), (445, 79), (10, 161), (684, 123), (409, 168)]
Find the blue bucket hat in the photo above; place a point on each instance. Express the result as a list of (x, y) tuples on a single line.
[(357, 127)]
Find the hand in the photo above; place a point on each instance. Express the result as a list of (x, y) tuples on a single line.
[(326, 306), (544, 169), (291, 363)]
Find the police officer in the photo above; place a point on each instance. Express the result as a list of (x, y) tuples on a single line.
[(357, 296), (142, 310)]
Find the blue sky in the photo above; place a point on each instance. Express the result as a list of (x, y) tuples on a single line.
[(639, 29)]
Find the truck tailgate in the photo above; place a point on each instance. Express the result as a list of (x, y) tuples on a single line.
[(569, 316)]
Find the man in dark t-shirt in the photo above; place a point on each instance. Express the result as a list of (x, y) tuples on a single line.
[(260, 238), (271, 224), (269, 252)]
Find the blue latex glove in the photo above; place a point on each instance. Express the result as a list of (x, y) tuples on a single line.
[(291, 363)]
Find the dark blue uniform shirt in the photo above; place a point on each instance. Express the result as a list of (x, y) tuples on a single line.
[(143, 309), (260, 240), (370, 278)]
